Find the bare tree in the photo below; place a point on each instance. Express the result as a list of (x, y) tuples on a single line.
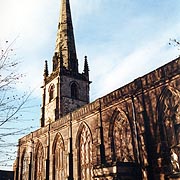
[(12, 104), (175, 43)]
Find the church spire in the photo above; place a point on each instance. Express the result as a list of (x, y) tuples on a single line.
[(64, 89), (65, 43)]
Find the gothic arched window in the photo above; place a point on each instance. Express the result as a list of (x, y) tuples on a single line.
[(169, 126), (25, 166), (39, 165), (169, 117), (58, 163), (51, 92), (74, 90), (85, 154), (122, 138)]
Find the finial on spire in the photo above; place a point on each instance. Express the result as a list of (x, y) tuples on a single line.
[(46, 69), (86, 67)]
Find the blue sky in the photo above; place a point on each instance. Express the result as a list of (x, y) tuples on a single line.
[(123, 39)]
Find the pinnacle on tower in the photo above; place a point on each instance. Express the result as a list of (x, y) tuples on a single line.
[(86, 67), (46, 73), (65, 43)]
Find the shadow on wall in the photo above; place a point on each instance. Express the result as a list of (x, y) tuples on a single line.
[(6, 175)]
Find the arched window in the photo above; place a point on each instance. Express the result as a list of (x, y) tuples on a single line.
[(51, 92), (39, 165), (169, 126), (58, 154), (74, 90), (169, 116), (85, 154), (122, 138), (169, 123), (25, 166)]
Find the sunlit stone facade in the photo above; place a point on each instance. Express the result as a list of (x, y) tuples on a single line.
[(132, 133)]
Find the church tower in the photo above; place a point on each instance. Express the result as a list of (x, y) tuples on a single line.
[(64, 89)]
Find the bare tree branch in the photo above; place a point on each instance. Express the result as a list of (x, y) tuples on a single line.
[(12, 105), (175, 43)]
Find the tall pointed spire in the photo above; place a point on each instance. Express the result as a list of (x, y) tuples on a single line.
[(65, 80), (65, 43)]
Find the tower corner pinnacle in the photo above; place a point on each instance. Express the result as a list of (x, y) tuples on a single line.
[(86, 67), (46, 73)]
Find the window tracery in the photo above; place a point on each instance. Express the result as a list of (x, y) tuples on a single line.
[(25, 166), (122, 136), (39, 163), (169, 120), (170, 114), (85, 153), (58, 163)]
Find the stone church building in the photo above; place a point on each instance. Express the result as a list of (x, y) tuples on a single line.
[(132, 133)]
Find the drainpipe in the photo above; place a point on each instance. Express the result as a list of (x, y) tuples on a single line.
[(70, 151), (48, 156), (102, 148)]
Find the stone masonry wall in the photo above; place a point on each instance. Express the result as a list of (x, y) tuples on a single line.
[(138, 103)]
